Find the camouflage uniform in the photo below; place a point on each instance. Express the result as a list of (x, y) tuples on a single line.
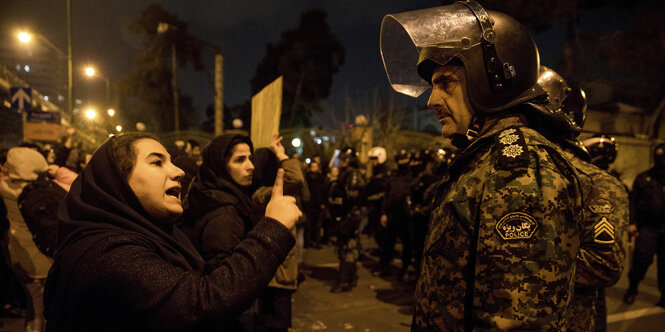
[(507, 223), (600, 260)]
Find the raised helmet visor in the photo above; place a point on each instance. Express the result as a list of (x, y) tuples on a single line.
[(442, 31)]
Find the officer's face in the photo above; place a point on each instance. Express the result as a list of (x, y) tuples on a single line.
[(450, 101)]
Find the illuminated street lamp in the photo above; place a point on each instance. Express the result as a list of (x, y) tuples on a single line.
[(91, 113), (92, 72), (111, 112), (26, 37), (296, 142), (118, 128)]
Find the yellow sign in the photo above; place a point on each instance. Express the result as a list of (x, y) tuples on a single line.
[(266, 112), (42, 131)]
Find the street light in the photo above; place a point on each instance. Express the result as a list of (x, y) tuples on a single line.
[(26, 37), (91, 113), (118, 128), (111, 112), (162, 28), (91, 72)]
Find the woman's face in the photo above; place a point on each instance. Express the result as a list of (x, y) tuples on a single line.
[(156, 181), (239, 167)]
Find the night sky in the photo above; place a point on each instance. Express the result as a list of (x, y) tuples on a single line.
[(240, 28)]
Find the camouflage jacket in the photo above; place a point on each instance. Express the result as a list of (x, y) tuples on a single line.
[(601, 257), (506, 223)]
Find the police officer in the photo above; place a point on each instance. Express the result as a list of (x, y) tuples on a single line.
[(648, 224), (395, 216), (601, 258), (502, 240), (349, 198), (375, 191), (420, 199)]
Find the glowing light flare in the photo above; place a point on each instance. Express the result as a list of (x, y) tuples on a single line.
[(296, 142), (90, 113), (24, 37)]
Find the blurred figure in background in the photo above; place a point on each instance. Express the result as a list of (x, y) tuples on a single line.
[(28, 262), (316, 205), (647, 202), (275, 301), (395, 218)]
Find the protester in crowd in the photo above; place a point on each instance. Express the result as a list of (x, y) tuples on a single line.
[(12, 297), (187, 160), (276, 300), (29, 264), (121, 265), (218, 210), (314, 208)]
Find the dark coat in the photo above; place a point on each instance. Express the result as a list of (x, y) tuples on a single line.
[(116, 269), (218, 216)]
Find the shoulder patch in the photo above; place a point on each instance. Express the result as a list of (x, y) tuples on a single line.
[(601, 206), (603, 231), (511, 148), (516, 226)]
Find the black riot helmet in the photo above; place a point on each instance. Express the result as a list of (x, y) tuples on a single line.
[(348, 157), (562, 111), (602, 149), (499, 56)]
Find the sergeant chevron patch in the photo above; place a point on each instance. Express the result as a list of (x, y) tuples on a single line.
[(603, 231)]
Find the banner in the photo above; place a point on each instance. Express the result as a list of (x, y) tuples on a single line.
[(266, 112)]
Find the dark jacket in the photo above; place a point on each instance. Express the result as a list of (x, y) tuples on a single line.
[(218, 216), (116, 269), (647, 200)]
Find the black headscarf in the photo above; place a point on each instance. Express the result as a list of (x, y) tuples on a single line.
[(266, 165), (214, 187), (101, 204)]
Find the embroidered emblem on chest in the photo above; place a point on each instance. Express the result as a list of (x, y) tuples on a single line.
[(508, 139), (601, 206), (516, 226), (603, 231), (512, 151)]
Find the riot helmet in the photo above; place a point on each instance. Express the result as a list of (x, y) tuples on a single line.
[(348, 157), (602, 149), (499, 57), (562, 111), (378, 153)]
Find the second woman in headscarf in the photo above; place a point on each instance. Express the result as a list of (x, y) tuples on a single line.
[(218, 209)]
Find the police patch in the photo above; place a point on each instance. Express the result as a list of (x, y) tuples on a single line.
[(516, 226), (603, 231), (601, 206)]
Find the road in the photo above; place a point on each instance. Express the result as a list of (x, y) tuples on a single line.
[(385, 304)]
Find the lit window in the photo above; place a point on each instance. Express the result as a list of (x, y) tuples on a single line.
[(46, 98), (26, 68)]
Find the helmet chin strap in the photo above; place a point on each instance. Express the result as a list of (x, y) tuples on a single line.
[(475, 126)]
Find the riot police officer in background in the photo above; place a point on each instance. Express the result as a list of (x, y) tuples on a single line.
[(648, 225), (374, 193), (349, 192), (395, 218), (420, 198), (501, 246), (603, 150), (560, 117)]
